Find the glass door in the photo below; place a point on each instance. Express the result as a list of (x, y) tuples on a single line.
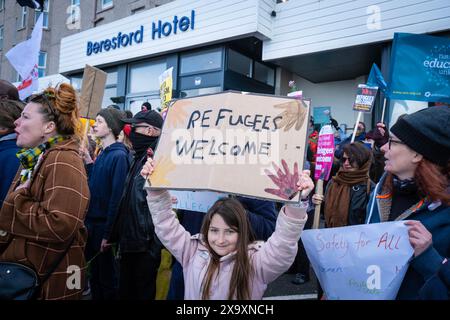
[(134, 103)]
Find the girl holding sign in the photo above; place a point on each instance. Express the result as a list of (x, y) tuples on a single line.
[(223, 262), (415, 187)]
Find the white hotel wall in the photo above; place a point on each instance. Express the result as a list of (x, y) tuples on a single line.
[(306, 26), (215, 21), (339, 95)]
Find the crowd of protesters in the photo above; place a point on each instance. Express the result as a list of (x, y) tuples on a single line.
[(69, 200)]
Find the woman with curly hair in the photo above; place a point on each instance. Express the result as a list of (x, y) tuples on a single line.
[(41, 221)]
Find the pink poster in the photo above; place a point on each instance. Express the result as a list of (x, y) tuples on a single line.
[(325, 152)]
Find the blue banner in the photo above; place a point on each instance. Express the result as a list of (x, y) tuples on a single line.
[(376, 78), (420, 68)]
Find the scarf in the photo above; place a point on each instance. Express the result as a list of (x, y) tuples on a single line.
[(337, 197), (29, 157), (142, 142)]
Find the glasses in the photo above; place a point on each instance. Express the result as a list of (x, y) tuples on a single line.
[(344, 159), (133, 126), (390, 141)]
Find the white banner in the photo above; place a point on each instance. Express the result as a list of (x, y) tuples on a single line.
[(24, 57), (362, 262), (199, 201)]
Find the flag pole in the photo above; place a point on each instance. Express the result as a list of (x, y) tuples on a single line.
[(384, 108), (356, 126)]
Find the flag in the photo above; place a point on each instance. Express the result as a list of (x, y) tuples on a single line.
[(420, 68), (24, 57), (34, 4), (376, 79)]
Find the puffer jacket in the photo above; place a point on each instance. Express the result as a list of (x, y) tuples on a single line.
[(269, 259)]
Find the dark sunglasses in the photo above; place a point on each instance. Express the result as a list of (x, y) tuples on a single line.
[(343, 159)]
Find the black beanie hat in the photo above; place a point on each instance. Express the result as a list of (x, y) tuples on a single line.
[(113, 119), (427, 132)]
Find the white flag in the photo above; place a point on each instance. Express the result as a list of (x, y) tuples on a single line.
[(24, 57)]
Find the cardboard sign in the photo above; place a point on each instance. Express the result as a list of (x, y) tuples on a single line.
[(322, 115), (165, 89), (363, 262), (200, 201), (325, 153), (92, 90), (253, 145), (365, 98)]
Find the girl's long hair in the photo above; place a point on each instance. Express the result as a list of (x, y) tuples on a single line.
[(234, 215)]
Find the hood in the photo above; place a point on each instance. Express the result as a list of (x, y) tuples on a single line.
[(115, 147)]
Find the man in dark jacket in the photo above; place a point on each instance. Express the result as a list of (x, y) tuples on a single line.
[(9, 112), (140, 249), (106, 182)]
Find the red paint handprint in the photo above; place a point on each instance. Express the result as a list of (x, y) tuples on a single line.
[(286, 181)]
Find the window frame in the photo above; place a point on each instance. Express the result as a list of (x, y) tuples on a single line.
[(107, 5), (44, 67), (23, 18), (2, 36), (73, 16), (44, 12)]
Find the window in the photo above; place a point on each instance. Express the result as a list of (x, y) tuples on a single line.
[(74, 11), (264, 74), (200, 91), (76, 82), (1, 37), (239, 63), (37, 13), (107, 4), (144, 76), (201, 61), (23, 17), (2, 4), (42, 63)]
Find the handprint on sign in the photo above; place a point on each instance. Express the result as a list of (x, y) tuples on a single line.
[(294, 114), (286, 182), (177, 113)]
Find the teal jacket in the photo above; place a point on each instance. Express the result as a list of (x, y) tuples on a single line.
[(436, 218)]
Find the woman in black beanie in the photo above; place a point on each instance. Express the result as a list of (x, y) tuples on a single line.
[(415, 187)]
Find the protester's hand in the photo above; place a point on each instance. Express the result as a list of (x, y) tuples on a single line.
[(317, 199), (148, 168), (419, 237), (305, 184), (381, 128), (84, 153), (104, 246)]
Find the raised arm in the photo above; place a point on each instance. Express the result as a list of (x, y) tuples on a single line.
[(167, 227), (278, 253)]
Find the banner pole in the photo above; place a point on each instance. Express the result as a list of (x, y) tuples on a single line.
[(384, 108), (319, 191), (356, 126)]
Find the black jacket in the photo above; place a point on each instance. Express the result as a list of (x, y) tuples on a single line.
[(133, 227), (359, 198)]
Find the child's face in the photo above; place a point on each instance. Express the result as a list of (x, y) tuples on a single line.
[(221, 237)]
